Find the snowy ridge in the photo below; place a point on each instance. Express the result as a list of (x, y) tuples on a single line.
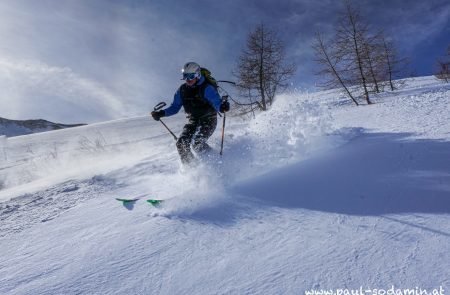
[(315, 194), (17, 127)]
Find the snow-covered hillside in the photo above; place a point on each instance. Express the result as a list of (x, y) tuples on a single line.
[(17, 127), (315, 194)]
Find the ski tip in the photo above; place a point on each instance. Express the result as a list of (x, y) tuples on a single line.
[(154, 202)]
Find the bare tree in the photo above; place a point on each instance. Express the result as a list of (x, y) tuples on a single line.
[(352, 59), (352, 43), (357, 60), (330, 67), (261, 70), (443, 67), (393, 65), (380, 61)]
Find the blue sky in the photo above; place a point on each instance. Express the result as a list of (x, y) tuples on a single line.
[(87, 61)]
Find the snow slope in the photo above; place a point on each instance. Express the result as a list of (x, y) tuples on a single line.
[(315, 194)]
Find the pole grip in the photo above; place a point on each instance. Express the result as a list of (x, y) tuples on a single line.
[(159, 106)]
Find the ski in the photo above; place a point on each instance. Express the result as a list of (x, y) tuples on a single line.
[(127, 200), (130, 201), (154, 202)]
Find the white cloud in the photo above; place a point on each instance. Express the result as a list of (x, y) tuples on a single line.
[(86, 58), (33, 89)]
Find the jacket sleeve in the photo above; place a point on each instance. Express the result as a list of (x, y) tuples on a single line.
[(176, 104), (213, 97)]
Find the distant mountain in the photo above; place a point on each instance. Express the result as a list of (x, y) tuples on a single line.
[(12, 128)]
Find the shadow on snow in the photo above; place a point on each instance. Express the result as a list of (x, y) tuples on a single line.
[(374, 174)]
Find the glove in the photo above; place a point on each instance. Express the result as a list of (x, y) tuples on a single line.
[(224, 106), (158, 114)]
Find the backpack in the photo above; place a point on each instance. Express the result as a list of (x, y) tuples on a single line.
[(208, 78)]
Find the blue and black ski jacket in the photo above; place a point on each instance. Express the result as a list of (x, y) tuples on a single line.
[(200, 100)]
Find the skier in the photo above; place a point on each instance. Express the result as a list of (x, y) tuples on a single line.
[(201, 102)]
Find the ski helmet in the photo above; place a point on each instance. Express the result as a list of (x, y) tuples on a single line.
[(191, 70)]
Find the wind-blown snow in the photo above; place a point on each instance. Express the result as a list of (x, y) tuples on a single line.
[(314, 194)]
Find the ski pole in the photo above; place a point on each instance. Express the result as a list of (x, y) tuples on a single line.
[(223, 134), (157, 108), (225, 98), (174, 136), (225, 81)]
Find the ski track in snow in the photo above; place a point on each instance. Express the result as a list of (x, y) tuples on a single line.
[(24, 211), (270, 217)]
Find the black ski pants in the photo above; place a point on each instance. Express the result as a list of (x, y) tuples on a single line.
[(196, 132)]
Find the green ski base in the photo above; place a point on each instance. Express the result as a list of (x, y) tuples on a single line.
[(153, 202)]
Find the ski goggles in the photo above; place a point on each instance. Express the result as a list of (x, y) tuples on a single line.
[(190, 76)]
